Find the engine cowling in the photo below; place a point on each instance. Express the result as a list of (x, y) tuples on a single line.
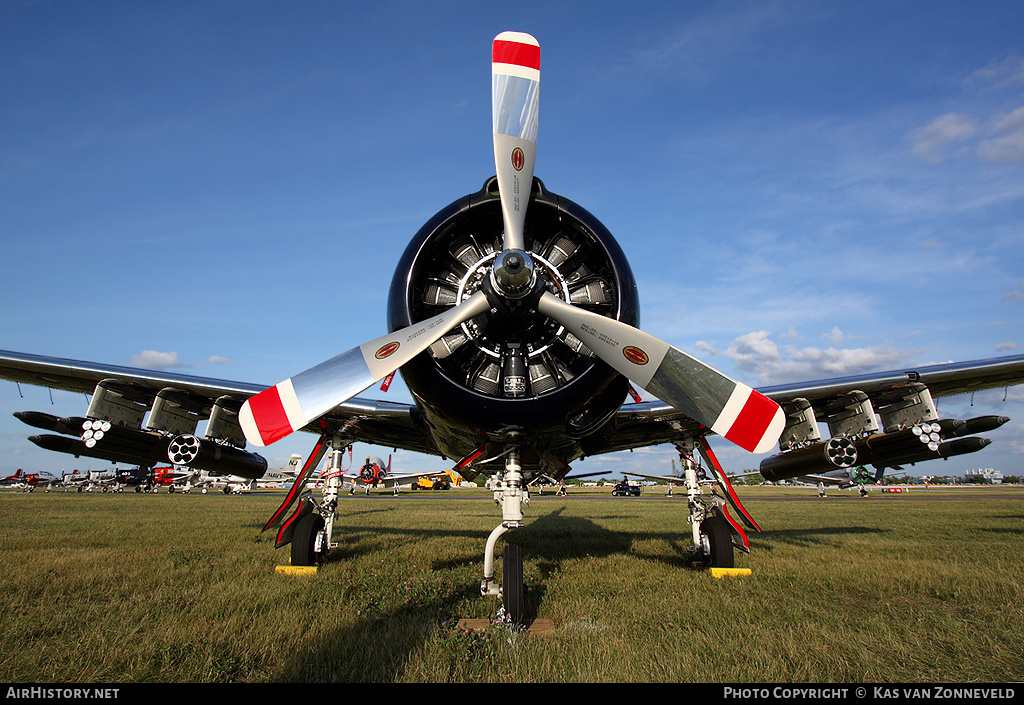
[(512, 364)]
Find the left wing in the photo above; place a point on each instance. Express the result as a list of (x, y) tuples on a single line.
[(176, 403), (851, 406)]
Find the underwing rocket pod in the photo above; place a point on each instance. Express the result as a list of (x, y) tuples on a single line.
[(47, 422), (927, 436), (103, 434), (946, 449), (835, 453), (204, 454), (108, 451), (939, 439), (981, 424)]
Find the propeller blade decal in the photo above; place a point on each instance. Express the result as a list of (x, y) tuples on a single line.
[(288, 406), (515, 96), (729, 408)]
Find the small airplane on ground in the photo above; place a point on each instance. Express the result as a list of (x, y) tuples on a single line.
[(375, 473), (43, 479), (512, 318), (104, 480), (542, 480), (16, 479), (277, 477)]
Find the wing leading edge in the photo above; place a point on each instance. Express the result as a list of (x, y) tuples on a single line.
[(893, 396), (178, 402), (636, 425)]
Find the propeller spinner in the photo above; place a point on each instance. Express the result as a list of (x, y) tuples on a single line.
[(733, 410)]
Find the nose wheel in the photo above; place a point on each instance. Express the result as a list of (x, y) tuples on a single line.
[(513, 590), (511, 494)]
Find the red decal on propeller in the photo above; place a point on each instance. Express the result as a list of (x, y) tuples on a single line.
[(635, 355), (386, 351), (755, 418), (527, 55), (518, 159)]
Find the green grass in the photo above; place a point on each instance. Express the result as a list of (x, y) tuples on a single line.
[(174, 588)]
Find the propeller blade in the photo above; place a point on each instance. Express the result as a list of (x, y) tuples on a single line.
[(288, 406), (515, 96), (729, 408)]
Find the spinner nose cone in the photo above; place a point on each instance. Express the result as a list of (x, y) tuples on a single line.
[(513, 273)]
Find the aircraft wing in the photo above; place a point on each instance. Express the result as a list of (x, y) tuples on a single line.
[(388, 424), (654, 422), (841, 482), (668, 479)]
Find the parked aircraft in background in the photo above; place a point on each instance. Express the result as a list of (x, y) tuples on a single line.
[(375, 473), (91, 480), (277, 477), (43, 479), (542, 480), (18, 478), (512, 318)]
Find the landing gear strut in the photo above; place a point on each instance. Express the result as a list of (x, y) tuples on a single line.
[(511, 494), (309, 529), (715, 533)]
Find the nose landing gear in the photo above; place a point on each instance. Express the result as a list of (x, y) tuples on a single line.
[(511, 494)]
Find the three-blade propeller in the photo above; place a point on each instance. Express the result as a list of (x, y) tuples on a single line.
[(721, 404)]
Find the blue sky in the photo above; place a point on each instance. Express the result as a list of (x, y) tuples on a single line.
[(804, 189)]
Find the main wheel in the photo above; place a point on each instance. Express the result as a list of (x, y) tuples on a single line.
[(304, 540), (717, 541), (513, 591)]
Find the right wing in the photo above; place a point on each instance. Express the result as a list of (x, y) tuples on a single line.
[(654, 422)]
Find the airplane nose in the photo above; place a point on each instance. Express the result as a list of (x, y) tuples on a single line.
[(513, 274)]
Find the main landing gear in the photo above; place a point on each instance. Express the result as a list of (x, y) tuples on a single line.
[(715, 532), (309, 528)]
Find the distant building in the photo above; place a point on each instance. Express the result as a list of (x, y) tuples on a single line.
[(990, 474)]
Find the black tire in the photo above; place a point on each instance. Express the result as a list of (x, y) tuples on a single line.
[(304, 538), (513, 591), (719, 539)]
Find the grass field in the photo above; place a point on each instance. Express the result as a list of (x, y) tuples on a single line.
[(176, 588)]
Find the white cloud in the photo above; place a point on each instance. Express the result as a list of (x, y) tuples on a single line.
[(153, 360), (931, 140), (1008, 72), (758, 354), (1017, 295), (1008, 147), (834, 337), (705, 347)]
